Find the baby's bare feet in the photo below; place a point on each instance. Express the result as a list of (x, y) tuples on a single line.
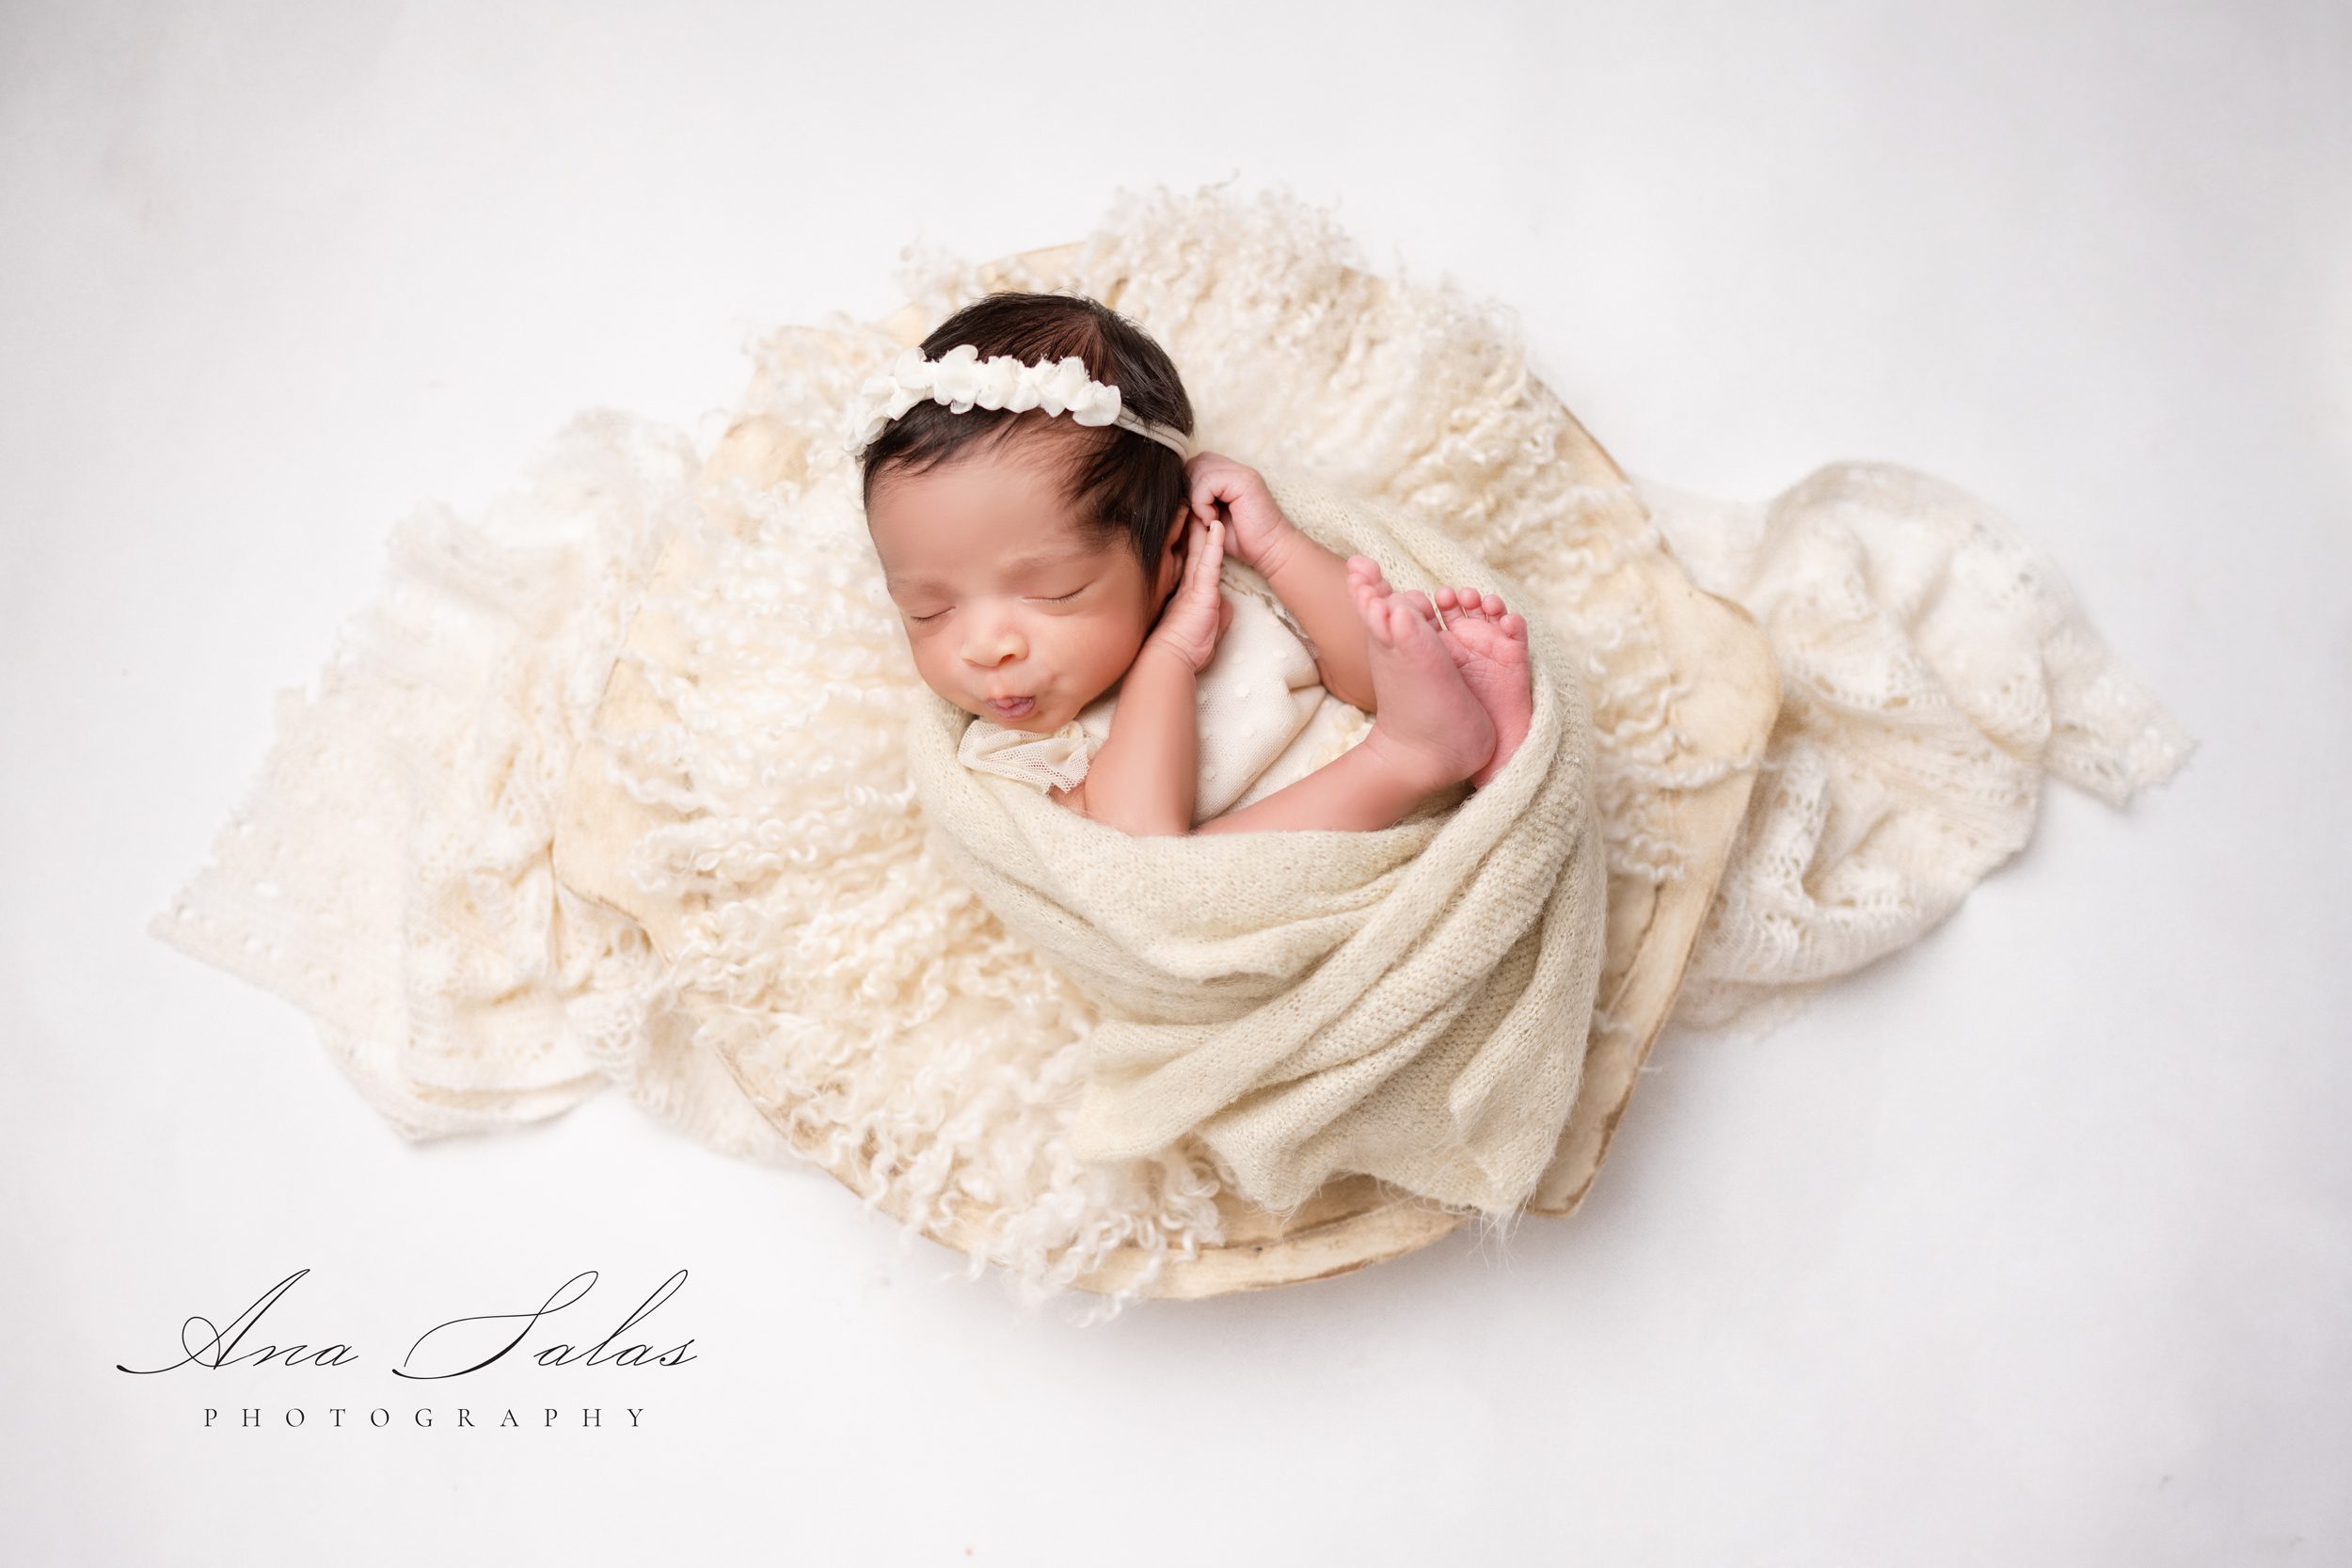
[(1489, 647), (1429, 725)]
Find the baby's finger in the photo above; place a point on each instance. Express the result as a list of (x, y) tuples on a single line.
[(1211, 486), (1201, 568)]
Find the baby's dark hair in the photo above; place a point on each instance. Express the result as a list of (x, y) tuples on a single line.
[(1119, 484)]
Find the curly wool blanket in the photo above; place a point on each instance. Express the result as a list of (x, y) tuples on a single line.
[(1409, 1004)]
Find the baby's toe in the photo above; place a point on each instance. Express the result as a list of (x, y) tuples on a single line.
[(1412, 624)]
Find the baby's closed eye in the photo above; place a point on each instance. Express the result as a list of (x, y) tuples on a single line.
[(1053, 598)]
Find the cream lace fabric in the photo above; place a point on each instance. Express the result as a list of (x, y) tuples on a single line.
[(1935, 666), (390, 869), (1054, 761)]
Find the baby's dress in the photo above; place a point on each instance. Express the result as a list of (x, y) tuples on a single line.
[(1265, 719)]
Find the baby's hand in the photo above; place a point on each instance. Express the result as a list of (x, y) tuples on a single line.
[(1198, 612), (1261, 535)]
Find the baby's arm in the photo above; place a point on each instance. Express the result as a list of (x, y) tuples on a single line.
[(1362, 790), (1311, 581), (1145, 778)]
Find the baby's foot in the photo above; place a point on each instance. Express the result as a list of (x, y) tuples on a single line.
[(1489, 647), (1429, 724)]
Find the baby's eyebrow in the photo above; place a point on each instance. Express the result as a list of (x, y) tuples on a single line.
[(1017, 564)]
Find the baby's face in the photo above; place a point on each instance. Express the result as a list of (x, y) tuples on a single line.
[(1001, 596)]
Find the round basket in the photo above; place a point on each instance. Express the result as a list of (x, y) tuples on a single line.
[(1730, 698)]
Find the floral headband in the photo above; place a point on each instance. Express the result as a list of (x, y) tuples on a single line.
[(960, 380)]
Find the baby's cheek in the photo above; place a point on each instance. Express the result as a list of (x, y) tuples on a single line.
[(1108, 652), (1092, 646), (928, 669)]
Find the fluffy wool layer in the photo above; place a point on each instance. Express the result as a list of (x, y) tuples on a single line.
[(390, 869)]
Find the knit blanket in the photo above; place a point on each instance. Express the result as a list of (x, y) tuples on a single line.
[(1409, 1004)]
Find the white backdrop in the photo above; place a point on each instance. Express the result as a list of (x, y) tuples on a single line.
[(2026, 1247)]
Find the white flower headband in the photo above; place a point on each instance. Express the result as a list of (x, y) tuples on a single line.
[(960, 380)]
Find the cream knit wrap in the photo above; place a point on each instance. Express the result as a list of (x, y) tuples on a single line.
[(1409, 1003)]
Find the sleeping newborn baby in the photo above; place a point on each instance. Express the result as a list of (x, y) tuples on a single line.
[(1038, 562)]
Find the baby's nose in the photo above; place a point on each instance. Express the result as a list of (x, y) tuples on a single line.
[(989, 649)]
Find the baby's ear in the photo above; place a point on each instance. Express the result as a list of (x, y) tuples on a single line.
[(1171, 569)]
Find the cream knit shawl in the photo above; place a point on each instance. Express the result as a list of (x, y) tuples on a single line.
[(1409, 1004)]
